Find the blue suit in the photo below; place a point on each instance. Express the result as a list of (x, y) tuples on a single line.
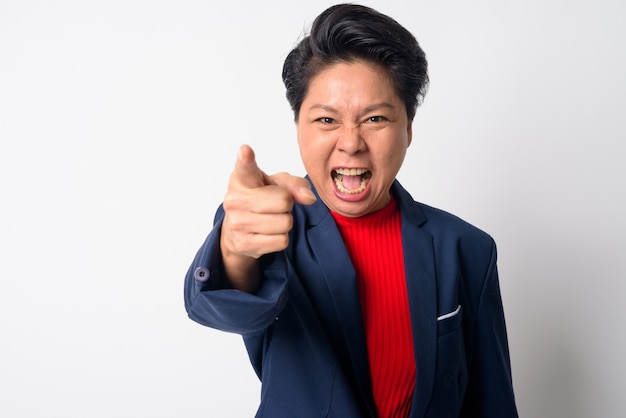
[(304, 332)]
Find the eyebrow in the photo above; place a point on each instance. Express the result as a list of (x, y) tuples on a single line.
[(323, 107), (366, 110)]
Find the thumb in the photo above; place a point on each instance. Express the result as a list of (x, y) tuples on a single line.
[(247, 173), (298, 187)]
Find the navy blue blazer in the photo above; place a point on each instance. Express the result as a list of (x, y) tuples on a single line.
[(304, 332)]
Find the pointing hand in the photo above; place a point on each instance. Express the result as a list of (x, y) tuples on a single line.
[(258, 216)]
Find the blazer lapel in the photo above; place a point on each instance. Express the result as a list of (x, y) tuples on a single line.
[(343, 316), (419, 264), (344, 320)]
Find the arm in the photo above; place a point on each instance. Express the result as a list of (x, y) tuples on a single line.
[(211, 301), (490, 387), (238, 279)]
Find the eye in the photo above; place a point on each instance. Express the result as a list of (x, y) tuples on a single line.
[(374, 119), (325, 120)]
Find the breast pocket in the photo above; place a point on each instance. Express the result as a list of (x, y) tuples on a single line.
[(449, 322), (451, 376)]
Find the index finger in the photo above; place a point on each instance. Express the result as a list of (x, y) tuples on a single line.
[(247, 173)]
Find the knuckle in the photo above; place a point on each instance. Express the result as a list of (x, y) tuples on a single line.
[(231, 201), (286, 222), (228, 203), (284, 200), (244, 244), (282, 241), (236, 225), (231, 220)]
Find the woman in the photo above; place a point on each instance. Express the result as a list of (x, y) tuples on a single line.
[(353, 299)]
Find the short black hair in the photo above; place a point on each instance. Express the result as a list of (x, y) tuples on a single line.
[(347, 32)]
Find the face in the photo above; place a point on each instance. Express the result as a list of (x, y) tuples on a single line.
[(353, 133)]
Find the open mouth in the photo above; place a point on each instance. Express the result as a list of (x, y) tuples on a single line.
[(351, 180)]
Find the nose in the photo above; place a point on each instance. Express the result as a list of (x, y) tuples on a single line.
[(351, 140)]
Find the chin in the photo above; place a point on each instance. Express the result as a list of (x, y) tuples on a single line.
[(352, 209)]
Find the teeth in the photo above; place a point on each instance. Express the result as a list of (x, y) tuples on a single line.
[(349, 191), (350, 171)]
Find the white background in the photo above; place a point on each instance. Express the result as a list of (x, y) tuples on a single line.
[(120, 123)]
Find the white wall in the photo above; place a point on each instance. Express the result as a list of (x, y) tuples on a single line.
[(119, 125)]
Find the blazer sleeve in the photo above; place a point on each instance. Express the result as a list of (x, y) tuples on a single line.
[(210, 302), (490, 388)]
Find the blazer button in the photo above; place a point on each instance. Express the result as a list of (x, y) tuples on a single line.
[(202, 274)]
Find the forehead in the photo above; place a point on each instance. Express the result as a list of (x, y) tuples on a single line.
[(351, 82)]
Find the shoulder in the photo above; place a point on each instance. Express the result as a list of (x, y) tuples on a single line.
[(444, 227), (440, 221)]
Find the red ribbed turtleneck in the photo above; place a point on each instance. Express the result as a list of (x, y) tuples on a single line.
[(374, 243)]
